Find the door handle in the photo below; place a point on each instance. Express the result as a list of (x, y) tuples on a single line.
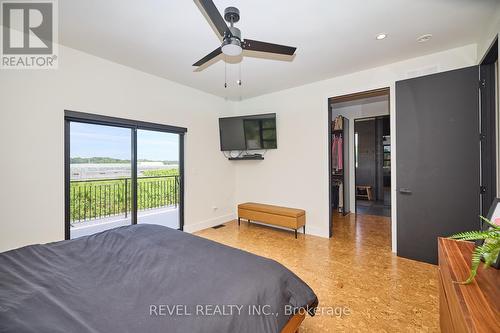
[(405, 190)]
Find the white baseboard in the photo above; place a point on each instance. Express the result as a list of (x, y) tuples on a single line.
[(309, 230), (209, 223)]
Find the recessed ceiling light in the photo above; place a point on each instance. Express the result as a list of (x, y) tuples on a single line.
[(424, 38), (381, 36)]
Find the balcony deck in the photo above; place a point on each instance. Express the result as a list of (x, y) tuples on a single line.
[(101, 204), (167, 216)]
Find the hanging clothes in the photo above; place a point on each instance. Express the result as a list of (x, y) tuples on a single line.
[(337, 151), (337, 162), (340, 162), (335, 146)]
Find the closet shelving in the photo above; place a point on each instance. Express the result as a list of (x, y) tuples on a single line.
[(386, 143), (340, 176)]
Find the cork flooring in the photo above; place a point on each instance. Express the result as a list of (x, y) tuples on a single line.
[(360, 284)]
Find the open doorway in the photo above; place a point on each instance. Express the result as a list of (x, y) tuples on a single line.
[(362, 183), (372, 164)]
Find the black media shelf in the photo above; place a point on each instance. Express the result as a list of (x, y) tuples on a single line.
[(246, 158)]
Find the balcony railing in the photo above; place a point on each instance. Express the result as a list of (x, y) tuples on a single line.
[(101, 198)]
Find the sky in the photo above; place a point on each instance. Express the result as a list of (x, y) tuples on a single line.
[(89, 140)]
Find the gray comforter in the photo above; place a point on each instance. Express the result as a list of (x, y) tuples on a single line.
[(145, 278)]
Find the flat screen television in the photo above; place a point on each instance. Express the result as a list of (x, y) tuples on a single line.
[(255, 132)]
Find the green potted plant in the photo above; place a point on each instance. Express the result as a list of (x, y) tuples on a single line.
[(487, 248)]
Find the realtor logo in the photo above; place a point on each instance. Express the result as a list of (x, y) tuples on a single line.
[(29, 33)]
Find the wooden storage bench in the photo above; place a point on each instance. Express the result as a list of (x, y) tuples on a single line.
[(274, 215), (364, 192)]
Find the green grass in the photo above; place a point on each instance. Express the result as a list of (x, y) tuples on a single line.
[(161, 172)]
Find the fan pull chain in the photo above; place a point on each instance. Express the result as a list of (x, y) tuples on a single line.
[(225, 72), (239, 74)]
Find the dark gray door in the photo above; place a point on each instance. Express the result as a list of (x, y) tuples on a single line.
[(488, 136), (437, 135)]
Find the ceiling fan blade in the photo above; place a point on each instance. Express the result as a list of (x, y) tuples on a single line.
[(255, 45), (208, 57), (214, 16)]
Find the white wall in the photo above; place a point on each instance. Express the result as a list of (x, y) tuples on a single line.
[(352, 112), (31, 140), (489, 34), (296, 174)]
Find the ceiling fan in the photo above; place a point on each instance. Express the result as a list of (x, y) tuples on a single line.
[(232, 44)]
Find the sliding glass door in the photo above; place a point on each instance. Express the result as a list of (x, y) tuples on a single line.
[(158, 183), (120, 172), (100, 178)]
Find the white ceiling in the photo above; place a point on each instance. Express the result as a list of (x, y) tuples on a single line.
[(333, 37)]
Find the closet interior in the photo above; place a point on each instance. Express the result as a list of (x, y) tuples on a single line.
[(340, 164)]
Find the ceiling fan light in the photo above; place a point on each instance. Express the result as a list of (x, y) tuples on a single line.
[(232, 47)]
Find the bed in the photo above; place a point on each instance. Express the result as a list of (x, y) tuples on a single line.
[(147, 278)]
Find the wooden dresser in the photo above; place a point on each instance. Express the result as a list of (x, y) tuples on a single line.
[(466, 308)]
